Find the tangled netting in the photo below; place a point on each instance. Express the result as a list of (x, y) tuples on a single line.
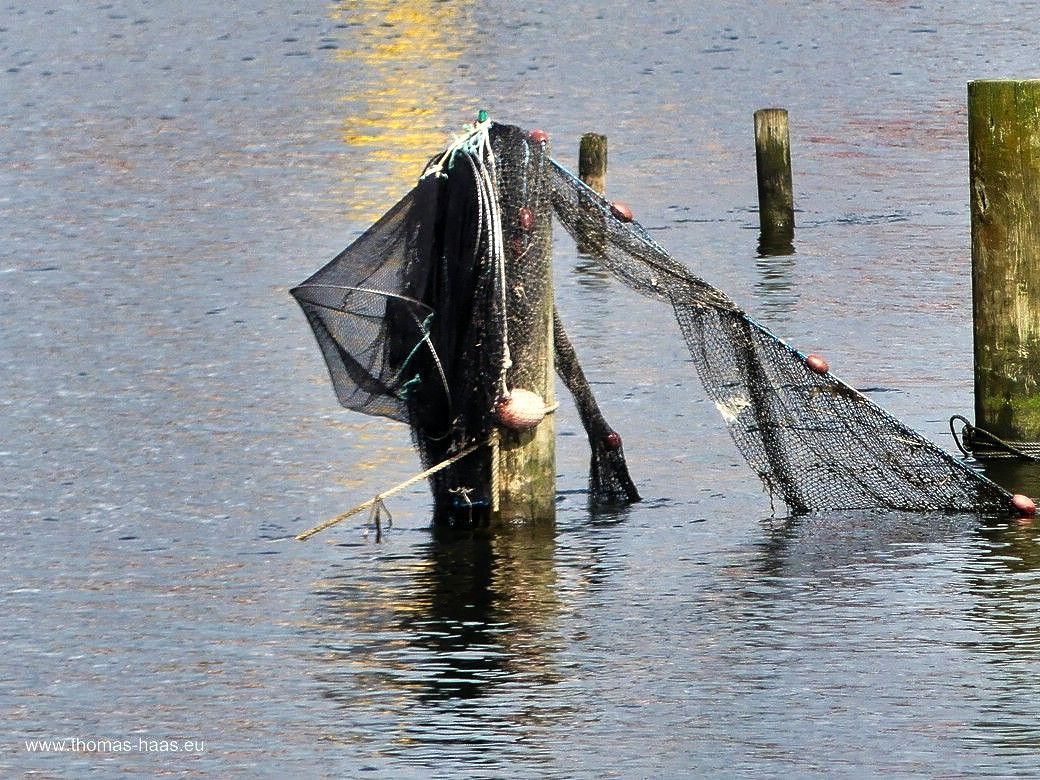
[(434, 314), (427, 316)]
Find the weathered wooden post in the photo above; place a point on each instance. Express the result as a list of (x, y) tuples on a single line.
[(775, 192), (1004, 154), (592, 169), (592, 161), (524, 477)]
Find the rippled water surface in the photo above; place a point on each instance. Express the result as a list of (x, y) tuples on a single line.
[(168, 171)]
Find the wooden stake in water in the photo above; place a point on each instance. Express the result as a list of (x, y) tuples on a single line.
[(775, 192), (592, 170), (1004, 153), (525, 480), (592, 161)]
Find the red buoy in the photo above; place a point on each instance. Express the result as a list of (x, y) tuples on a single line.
[(1024, 505), (612, 440), (817, 364), (525, 217), (621, 211), (538, 136)]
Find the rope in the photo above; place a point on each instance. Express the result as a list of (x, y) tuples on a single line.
[(473, 142), (378, 500), (475, 145), (1010, 449), (496, 438)]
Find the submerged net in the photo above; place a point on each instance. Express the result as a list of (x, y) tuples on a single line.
[(428, 317)]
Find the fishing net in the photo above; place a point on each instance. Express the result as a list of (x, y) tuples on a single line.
[(428, 317), (418, 321)]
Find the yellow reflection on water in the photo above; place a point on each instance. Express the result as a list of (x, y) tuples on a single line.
[(402, 104)]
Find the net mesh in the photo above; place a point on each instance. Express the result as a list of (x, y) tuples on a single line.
[(430, 318), (815, 442)]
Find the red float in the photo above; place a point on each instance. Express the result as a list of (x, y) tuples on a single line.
[(1024, 505), (817, 364), (538, 136), (613, 440), (521, 411), (525, 217), (621, 211)]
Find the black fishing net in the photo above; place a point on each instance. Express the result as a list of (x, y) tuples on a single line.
[(428, 318), (815, 442)]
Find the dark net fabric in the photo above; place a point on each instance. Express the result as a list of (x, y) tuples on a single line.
[(609, 480), (815, 442), (430, 318), (365, 311)]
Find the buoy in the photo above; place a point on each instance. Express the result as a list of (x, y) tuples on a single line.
[(521, 411), (621, 211), (525, 217), (1024, 505), (612, 440), (817, 364), (538, 136)]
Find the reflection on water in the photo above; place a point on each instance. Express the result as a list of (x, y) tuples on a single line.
[(538, 649), (1004, 618), (775, 287), (467, 617), (917, 591), (775, 243), (1016, 476), (397, 112), (591, 274)]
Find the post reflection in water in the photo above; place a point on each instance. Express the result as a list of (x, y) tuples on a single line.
[(398, 111), (1005, 617), (775, 287), (775, 244), (454, 641), (882, 575)]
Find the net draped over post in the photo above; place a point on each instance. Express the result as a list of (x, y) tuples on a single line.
[(418, 323)]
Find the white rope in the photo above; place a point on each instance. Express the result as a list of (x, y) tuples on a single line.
[(475, 145)]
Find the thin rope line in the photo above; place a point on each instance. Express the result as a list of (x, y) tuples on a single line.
[(305, 535), (496, 438)]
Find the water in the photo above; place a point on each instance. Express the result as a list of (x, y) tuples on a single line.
[(167, 172)]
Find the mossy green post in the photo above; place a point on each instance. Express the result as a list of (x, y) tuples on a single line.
[(773, 166), (526, 477), (1004, 154), (592, 161)]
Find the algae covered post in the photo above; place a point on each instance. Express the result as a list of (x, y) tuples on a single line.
[(524, 478), (773, 167), (1004, 154), (592, 161)]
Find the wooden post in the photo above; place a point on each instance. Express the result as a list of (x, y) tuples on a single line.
[(775, 193), (526, 470), (1004, 154), (592, 161), (592, 169)]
